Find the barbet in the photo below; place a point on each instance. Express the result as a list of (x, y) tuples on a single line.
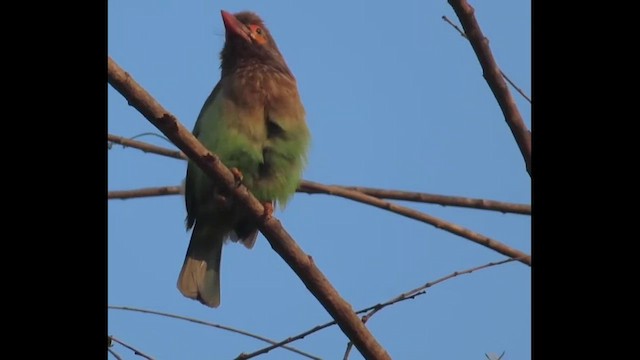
[(255, 122)]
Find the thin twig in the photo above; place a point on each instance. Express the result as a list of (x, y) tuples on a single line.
[(446, 19), (135, 351), (493, 358), (426, 218), (145, 192), (115, 355), (411, 294), (402, 297), (308, 188), (151, 134), (146, 147), (347, 351), (279, 239), (494, 79), (218, 326)]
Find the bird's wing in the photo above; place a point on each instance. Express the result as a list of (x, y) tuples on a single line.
[(189, 191)]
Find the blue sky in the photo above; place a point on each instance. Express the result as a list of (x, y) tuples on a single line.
[(395, 99)]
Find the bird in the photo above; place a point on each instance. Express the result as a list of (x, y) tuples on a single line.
[(255, 122)]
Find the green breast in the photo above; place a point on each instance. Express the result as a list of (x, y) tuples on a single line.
[(259, 128)]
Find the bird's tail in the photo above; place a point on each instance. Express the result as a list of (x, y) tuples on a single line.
[(199, 278)]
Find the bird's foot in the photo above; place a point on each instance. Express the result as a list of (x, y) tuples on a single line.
[(237, 176), (268, 210)]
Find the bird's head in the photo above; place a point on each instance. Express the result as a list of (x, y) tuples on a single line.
[(248, 39)]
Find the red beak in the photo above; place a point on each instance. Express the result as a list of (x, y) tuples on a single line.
[(233, 26)]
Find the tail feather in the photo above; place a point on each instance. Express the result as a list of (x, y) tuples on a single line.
[(199, 278)]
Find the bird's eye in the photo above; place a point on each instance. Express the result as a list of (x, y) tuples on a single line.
[(258, 34)]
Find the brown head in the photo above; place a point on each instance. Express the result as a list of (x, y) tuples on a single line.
[(248, 42)]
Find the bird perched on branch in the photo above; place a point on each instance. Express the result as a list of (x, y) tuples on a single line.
[(255, 122)]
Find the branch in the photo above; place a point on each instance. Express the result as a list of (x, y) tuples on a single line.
[(146, 147), (201, 322), (431, 220), (146, 192), (446, 19), (115, 355), (135, 351), (493, 76), (402, 297), (411, 294), (309, 188), (366, 199), (493, 357), (280, 240)]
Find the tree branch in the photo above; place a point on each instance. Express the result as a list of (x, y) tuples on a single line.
[(135, 351), (145, 192), (146, 147), (115, 355), (411, 294), (309, 188), (201, 322), (365, 199), (493, 76), (402, 297), (431, 220), (280, 240), (446, 19)]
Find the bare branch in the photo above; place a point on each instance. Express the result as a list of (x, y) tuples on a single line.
[(309, 188), (115, 355), (146, 147), (146, 192), (366, 199), (419, 291), (218, 326), (347, 351), (151, 134), (446, 19), (492, 357), (301, 263), (493, 76), (135, 351), (431, 220), (402, 297)]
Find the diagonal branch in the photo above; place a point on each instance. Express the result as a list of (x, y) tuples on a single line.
[(218, 326), (446, 19), (135, 351), (493, 76), (280, 240), (115, 354), (412, 294), (426, 218), (308, 188)]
